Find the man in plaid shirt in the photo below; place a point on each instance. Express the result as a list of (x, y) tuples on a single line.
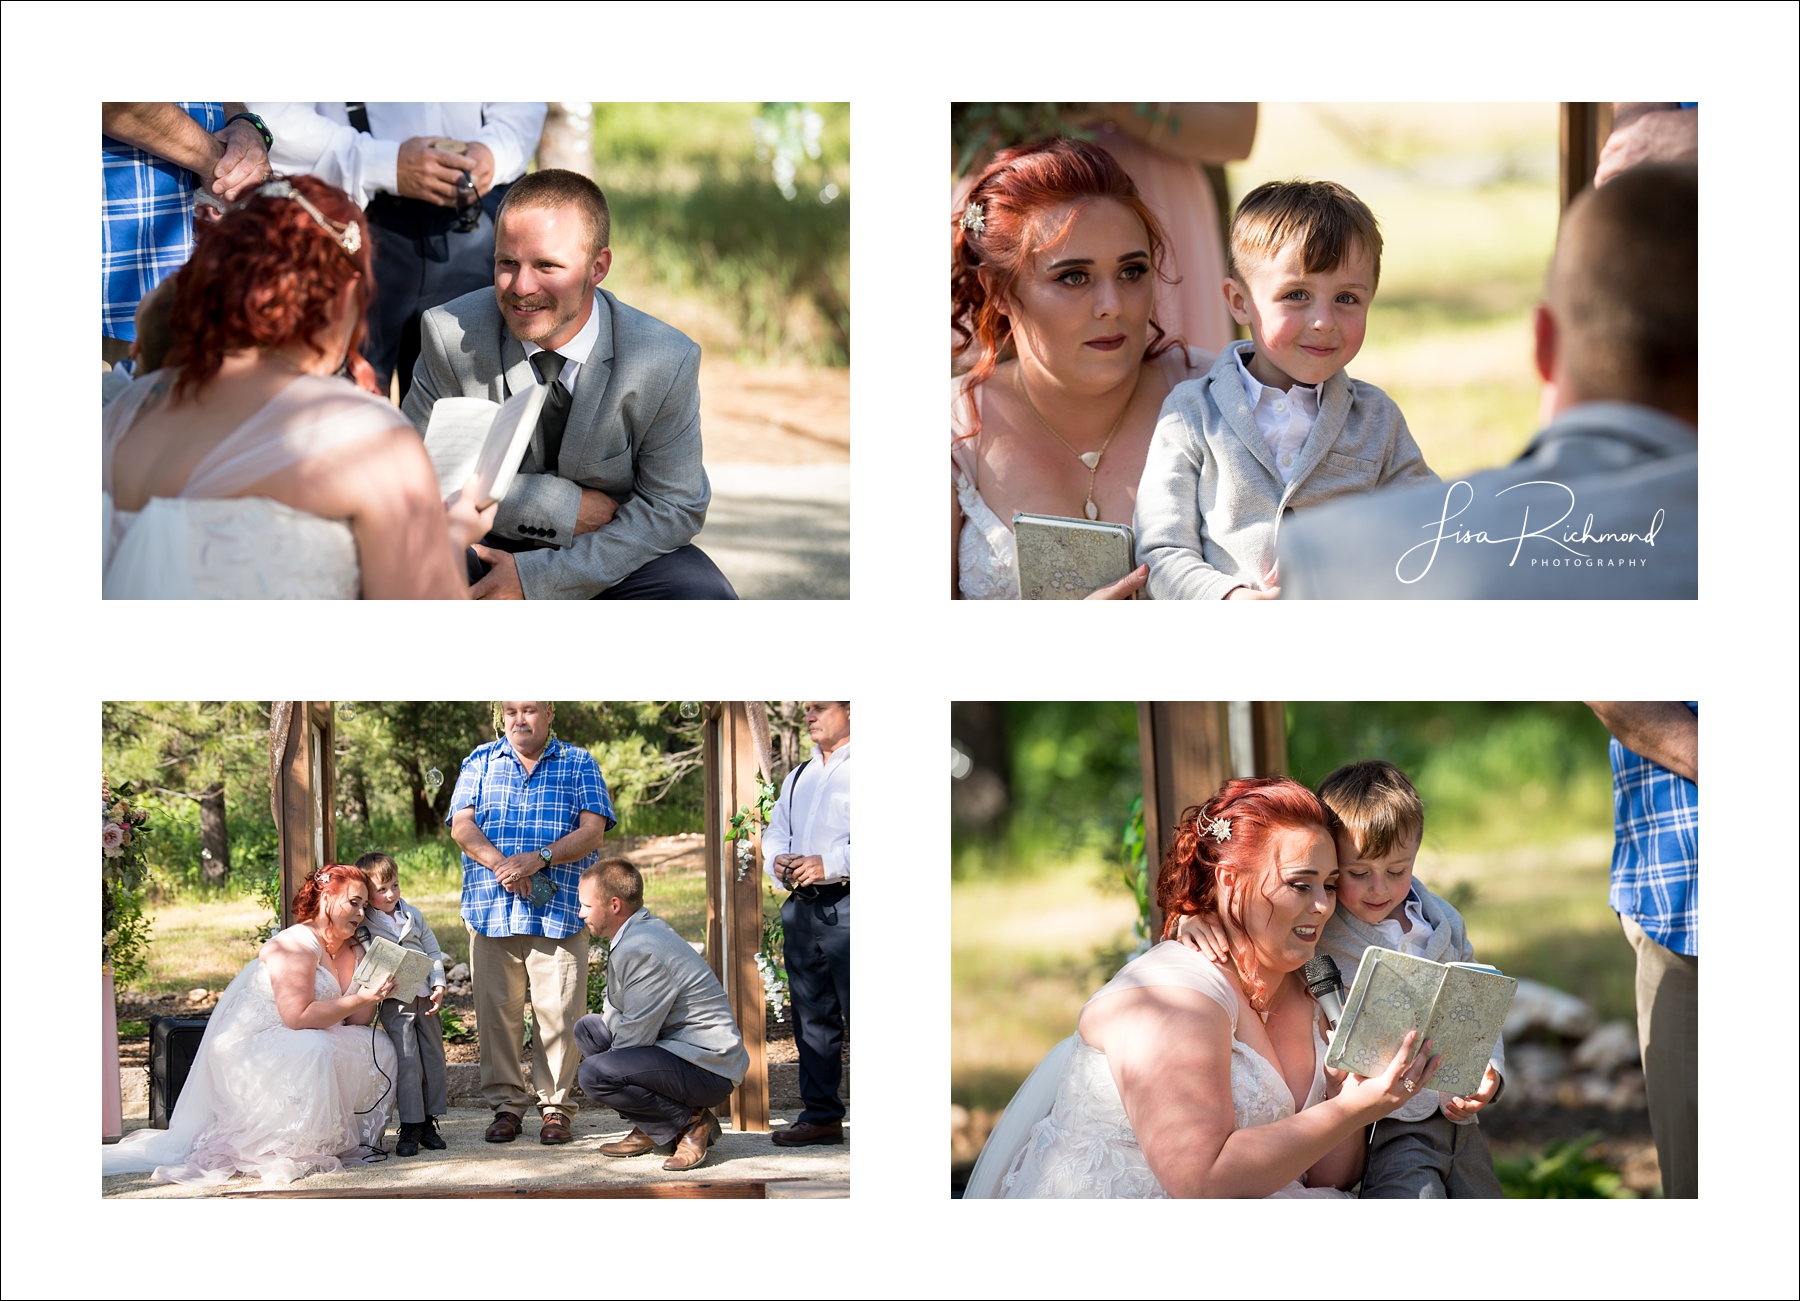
[(1656, 892), (529, 812), (153, 156)]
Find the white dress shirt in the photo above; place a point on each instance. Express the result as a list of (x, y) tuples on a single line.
[(317, 138), (576, 350), (1284, 419), (1413, 941), (812, 816)]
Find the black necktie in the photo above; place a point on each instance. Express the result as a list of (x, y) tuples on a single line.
[(553, 416)]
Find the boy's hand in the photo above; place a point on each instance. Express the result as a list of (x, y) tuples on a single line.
[(1459, 1109), (1204, 936), (1123, 590), (437, 997), (1271, 588)]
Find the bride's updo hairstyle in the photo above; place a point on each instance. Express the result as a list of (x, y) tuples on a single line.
[(265, 275), (1014, 195), (1188, 882), (333, 878)]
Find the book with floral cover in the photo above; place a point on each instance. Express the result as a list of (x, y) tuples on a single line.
[(1064, 559), (409, 968), (1459, 1006)]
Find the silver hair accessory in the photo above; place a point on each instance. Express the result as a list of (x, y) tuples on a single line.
[(974, 219), (1218, 828), (348, 236)]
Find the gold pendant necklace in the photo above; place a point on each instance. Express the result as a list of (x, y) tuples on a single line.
[(1089, 459)]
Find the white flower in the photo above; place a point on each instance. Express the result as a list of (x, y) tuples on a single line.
[(112, 835)]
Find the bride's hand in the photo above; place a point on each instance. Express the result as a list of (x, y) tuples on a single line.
[(1124, 589), (1405, 1075), (1204, 936), (375, 993), (466, 523)]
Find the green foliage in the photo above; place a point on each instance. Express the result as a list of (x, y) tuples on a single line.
[(1490, 774), (455, 1031), (744, 205), (124, 929), (134, 1030), (1136, 868), (1563, 1169), (596, 978), (978, 130)]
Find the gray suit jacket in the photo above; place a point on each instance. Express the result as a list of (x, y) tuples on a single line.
[(659, 991), (1211, 501), (633, 433), (1603, 504)]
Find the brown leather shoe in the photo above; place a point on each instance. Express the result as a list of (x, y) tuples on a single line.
[(702, 1132), (636, 1143), (504, 1129), (555, 1128), (798, 1135)]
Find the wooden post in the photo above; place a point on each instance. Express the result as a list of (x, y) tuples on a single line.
[(304, 795), (1184, 747), (734, 900), (1584, 129)]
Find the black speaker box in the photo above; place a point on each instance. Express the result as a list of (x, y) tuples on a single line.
[(174, 1043)]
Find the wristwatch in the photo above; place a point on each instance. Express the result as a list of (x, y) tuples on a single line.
[(546, 853)]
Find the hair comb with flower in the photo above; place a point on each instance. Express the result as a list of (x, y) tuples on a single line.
[(348, 235), (1218, 828), (974, 219)]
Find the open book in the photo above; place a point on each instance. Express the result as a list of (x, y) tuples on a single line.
[(1064, 559), (409, 968), (1459, 1006), (486, 439)]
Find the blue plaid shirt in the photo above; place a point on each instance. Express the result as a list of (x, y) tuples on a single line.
[(146, 222), (521, 814), (1656, 852)]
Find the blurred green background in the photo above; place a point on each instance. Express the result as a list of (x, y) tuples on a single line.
[(732, 221), (1518, 835)]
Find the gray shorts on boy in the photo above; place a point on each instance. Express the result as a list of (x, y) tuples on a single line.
[(1428, 1160)]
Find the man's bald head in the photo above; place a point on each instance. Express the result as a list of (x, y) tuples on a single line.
[(1624, 291)]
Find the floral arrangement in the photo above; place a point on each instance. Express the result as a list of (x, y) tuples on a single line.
[(746, 822), (124, 930)]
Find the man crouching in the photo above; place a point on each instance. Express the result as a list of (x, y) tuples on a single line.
[(666, 1051)]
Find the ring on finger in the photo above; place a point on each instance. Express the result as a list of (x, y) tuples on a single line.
[(1409, 1085)]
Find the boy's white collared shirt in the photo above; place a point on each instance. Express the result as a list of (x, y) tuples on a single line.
[(1284, 419), (1412, 941)]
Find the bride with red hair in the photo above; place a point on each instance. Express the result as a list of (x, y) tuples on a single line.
[(246, 467), (292, 1075), (1188, 1079)]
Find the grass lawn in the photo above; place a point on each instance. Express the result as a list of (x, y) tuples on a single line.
[(1027, 951)]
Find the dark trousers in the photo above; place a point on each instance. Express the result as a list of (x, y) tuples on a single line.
[(650, 1086), (685, 574), (420, 263), (1428, 1160), (418, 1038), (816, 949)]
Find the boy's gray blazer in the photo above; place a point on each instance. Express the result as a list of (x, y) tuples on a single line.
[(414, 932), (633, 432), (1345, 937), (659, 991), (1210, 501)]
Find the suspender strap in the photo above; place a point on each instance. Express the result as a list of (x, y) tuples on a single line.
[(359, 116)]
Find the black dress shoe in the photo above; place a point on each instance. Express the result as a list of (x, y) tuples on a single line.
[(428, 1135), (801, 1134), (409, 1141)]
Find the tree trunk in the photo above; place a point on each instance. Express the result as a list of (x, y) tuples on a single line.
[(425, 820), (568, 139), (982, 796), (215, 842)]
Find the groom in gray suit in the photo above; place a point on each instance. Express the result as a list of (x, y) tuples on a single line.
[(667, 1050), (611, 493)]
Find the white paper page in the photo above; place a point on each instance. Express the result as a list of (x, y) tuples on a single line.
[(506, 443), (455, 436)]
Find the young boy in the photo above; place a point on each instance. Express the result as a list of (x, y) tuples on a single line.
[(1275, 425), (411, 1022), (1431, 1147)]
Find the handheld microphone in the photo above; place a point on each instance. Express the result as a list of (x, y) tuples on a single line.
[(1322, 978)]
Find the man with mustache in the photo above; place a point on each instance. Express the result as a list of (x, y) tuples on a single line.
[(611, 493)]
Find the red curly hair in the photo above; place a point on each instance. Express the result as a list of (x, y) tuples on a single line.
[(333, 878), (1188, 882), (264, 276), (1015, 190)]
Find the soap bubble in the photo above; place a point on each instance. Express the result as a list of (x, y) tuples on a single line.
[(690, 709), (433, 780), (347, 711)]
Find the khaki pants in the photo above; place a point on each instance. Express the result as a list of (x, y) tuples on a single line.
[(1668, 1011), (554, 972)]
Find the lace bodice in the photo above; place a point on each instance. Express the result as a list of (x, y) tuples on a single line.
[(1085, 1147), (210, 542)]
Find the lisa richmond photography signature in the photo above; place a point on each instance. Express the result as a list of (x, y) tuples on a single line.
[(1562, 542)]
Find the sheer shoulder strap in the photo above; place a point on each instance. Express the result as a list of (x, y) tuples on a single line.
[(116, 419), (1170, 963), (311, 416), (963, 402)]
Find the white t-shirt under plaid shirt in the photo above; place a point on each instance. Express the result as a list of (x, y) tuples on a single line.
[(521, 814)]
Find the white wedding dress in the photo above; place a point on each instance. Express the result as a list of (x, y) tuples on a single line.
[(1065, 1133), (986, 556), (208, 542), (265, 1100)]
